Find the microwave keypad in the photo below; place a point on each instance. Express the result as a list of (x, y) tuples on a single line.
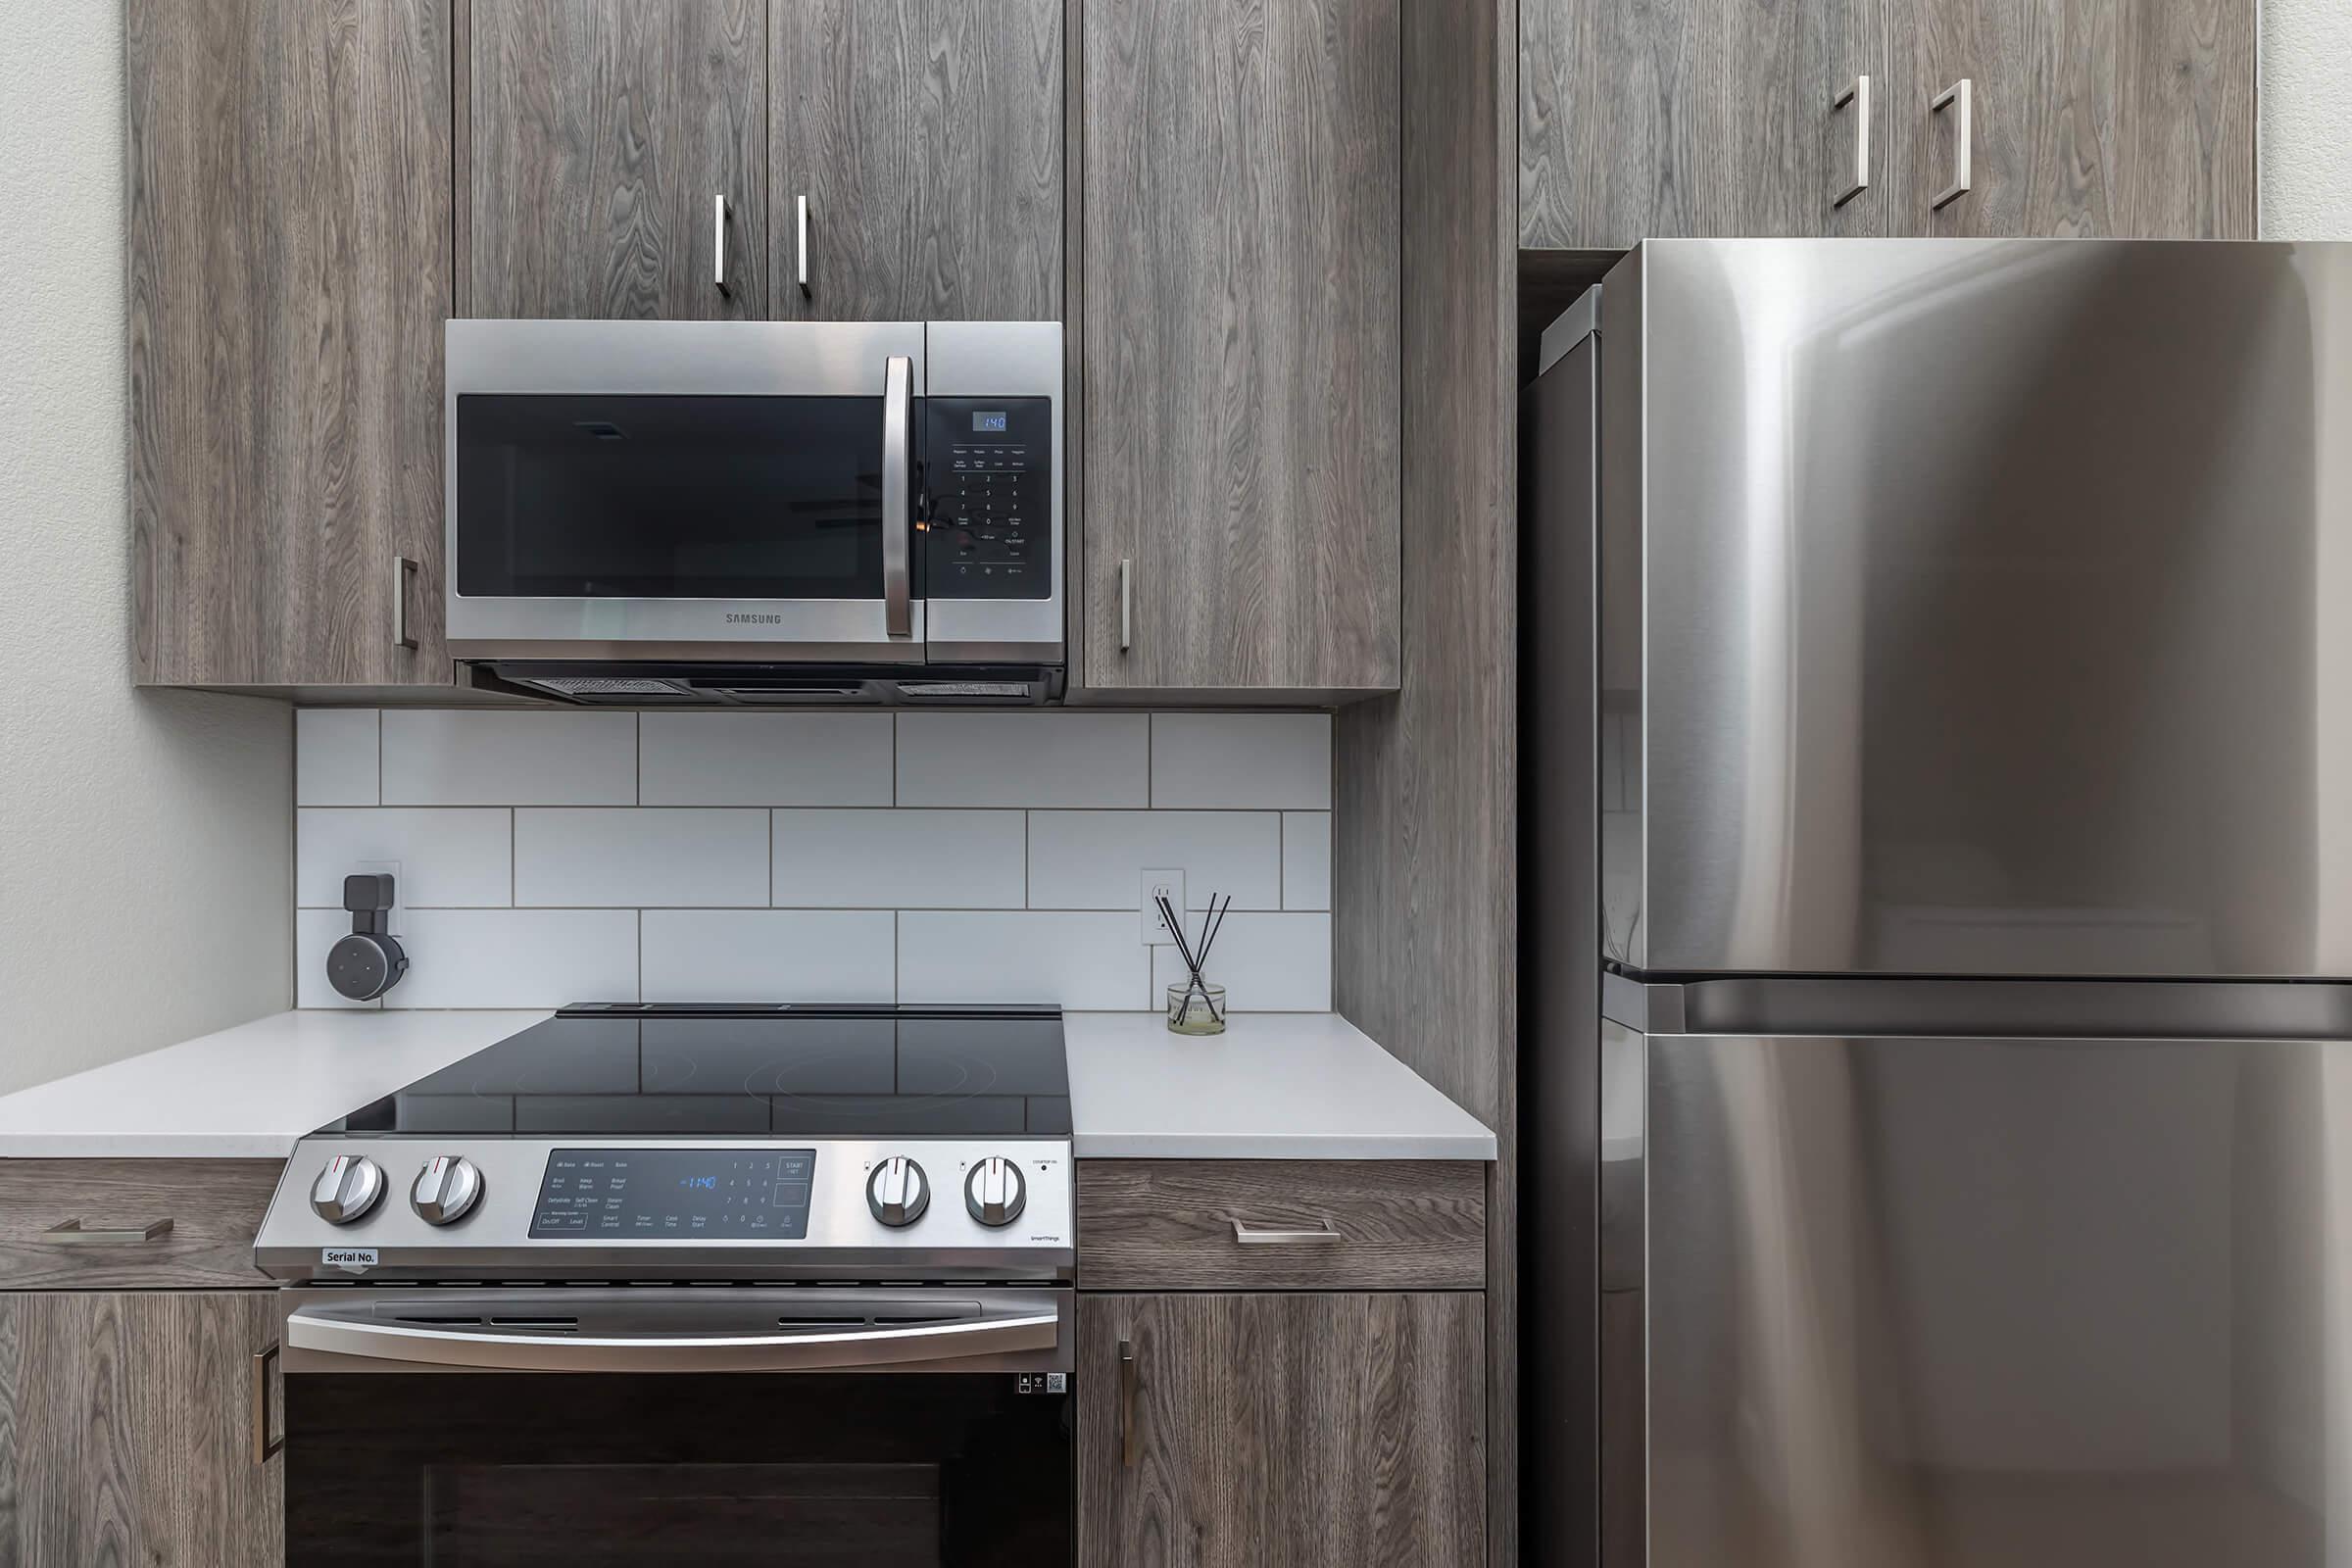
[(987, 522)]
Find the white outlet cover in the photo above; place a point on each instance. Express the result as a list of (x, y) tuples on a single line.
[(396, 919), (1171, 881)]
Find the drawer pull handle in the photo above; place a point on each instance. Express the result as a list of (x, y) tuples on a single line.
[(1249, 1234), (1127, 1403), (264, 1445), (71, 1234)]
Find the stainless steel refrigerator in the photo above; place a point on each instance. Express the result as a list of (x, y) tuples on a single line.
[(1937, 1044)]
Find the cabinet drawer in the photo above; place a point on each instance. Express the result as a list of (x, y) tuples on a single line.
[(214, 1205), (1378, 1224)]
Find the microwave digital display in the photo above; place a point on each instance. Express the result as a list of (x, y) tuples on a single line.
[(989, 420)]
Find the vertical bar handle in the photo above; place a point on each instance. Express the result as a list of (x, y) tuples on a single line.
[(1859, 96), (718, 245), (1126, 605), (1127, 1425), (799, 226), (403, 568), (1956, 98), (264, 1445), (897, 521)]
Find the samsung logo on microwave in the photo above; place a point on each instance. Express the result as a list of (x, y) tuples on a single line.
[(734, 619)]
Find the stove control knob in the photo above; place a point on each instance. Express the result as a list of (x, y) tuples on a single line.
[(994, 1193), (898, 1191), (446, 1190), (347, 1189)]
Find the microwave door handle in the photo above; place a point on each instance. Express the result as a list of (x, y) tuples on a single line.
[(898, 523), (376, 1340)]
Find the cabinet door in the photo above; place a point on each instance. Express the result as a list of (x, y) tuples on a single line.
[(1676, 118), (126, 1429), (1291, 1430), (289, 268), (1240, 182), (2125, 118), (924, 137), (603, 135)]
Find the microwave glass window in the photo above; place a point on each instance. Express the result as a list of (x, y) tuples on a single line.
[(632, 497)]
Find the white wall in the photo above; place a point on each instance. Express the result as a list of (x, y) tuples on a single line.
[(144, 842), (2307, 119)]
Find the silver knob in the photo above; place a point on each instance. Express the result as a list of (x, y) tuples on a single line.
[(898, 1191), (994, 1193), (347, 1189), (446, 1190)]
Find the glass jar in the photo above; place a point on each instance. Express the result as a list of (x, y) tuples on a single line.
[(1195, 1008)]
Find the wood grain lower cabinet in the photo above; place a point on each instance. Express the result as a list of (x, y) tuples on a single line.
[(127, 1430), (1282, 1431), (602, 135), (289, 232), (1240, 278)]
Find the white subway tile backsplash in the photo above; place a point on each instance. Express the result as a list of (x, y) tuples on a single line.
[(1095, 860), (517, 957), (1081, 960), (450, 855), (899, 860), (769, 955), (1248, 761), (1266, 963), (1306, 860), (929, 857), (1023, 760), (335, 756), (434, 757), (315, 931), (643, 857), (764, 759)]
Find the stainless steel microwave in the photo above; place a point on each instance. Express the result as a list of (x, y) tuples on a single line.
[(756, 512)]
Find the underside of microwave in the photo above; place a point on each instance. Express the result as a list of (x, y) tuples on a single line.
[(780, 685)]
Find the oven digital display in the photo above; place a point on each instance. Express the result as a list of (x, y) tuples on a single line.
[(724, 1193), (988, 420)]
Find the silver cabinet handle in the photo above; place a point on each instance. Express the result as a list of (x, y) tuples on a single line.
[(71, 1234), (1247, 1235), (1859, 96), (264, 1445), (1955, 96), (352, 1333), (898, 577), (718, 245), (403, 568), (1126, 605), (1127, 1380), (800, 226)]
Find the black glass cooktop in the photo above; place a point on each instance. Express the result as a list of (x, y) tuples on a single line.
[(654, 1069)]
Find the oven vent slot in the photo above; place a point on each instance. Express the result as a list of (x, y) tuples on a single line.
[(820, 1322), (567, 1325), (465, 1321), (904, 1320)]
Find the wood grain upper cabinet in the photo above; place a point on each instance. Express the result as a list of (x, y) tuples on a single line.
[(289, 268), (127, 1427), (1308, 1430), (602, 136), (2129, 118), (1241, 292), (922, 139)]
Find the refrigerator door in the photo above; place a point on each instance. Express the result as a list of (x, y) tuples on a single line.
[(1975, 608), (1995, 1302)]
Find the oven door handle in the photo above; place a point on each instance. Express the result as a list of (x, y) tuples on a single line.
[(898, 512), (313, 1327)]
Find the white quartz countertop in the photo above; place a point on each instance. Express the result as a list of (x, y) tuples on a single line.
[(1276, 1086)]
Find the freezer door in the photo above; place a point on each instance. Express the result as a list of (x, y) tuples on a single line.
[(1975, 608), (1876, 1302)]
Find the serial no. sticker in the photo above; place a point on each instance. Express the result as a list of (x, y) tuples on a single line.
[(356, 1259)]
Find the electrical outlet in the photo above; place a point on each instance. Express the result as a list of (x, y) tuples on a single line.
[(1155, 930), (396, 919)]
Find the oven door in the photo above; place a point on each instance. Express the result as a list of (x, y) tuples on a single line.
[(643, 1425), (729, 491)]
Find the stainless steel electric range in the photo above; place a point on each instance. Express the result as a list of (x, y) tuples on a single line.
[(663, 1283)]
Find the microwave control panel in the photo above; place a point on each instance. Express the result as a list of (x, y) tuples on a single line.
[(987, 522)]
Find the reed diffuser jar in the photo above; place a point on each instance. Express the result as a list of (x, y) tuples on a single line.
[(1195, 1008)]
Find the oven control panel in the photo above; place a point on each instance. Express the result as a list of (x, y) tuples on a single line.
[(988, 499), (734, 1194)]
